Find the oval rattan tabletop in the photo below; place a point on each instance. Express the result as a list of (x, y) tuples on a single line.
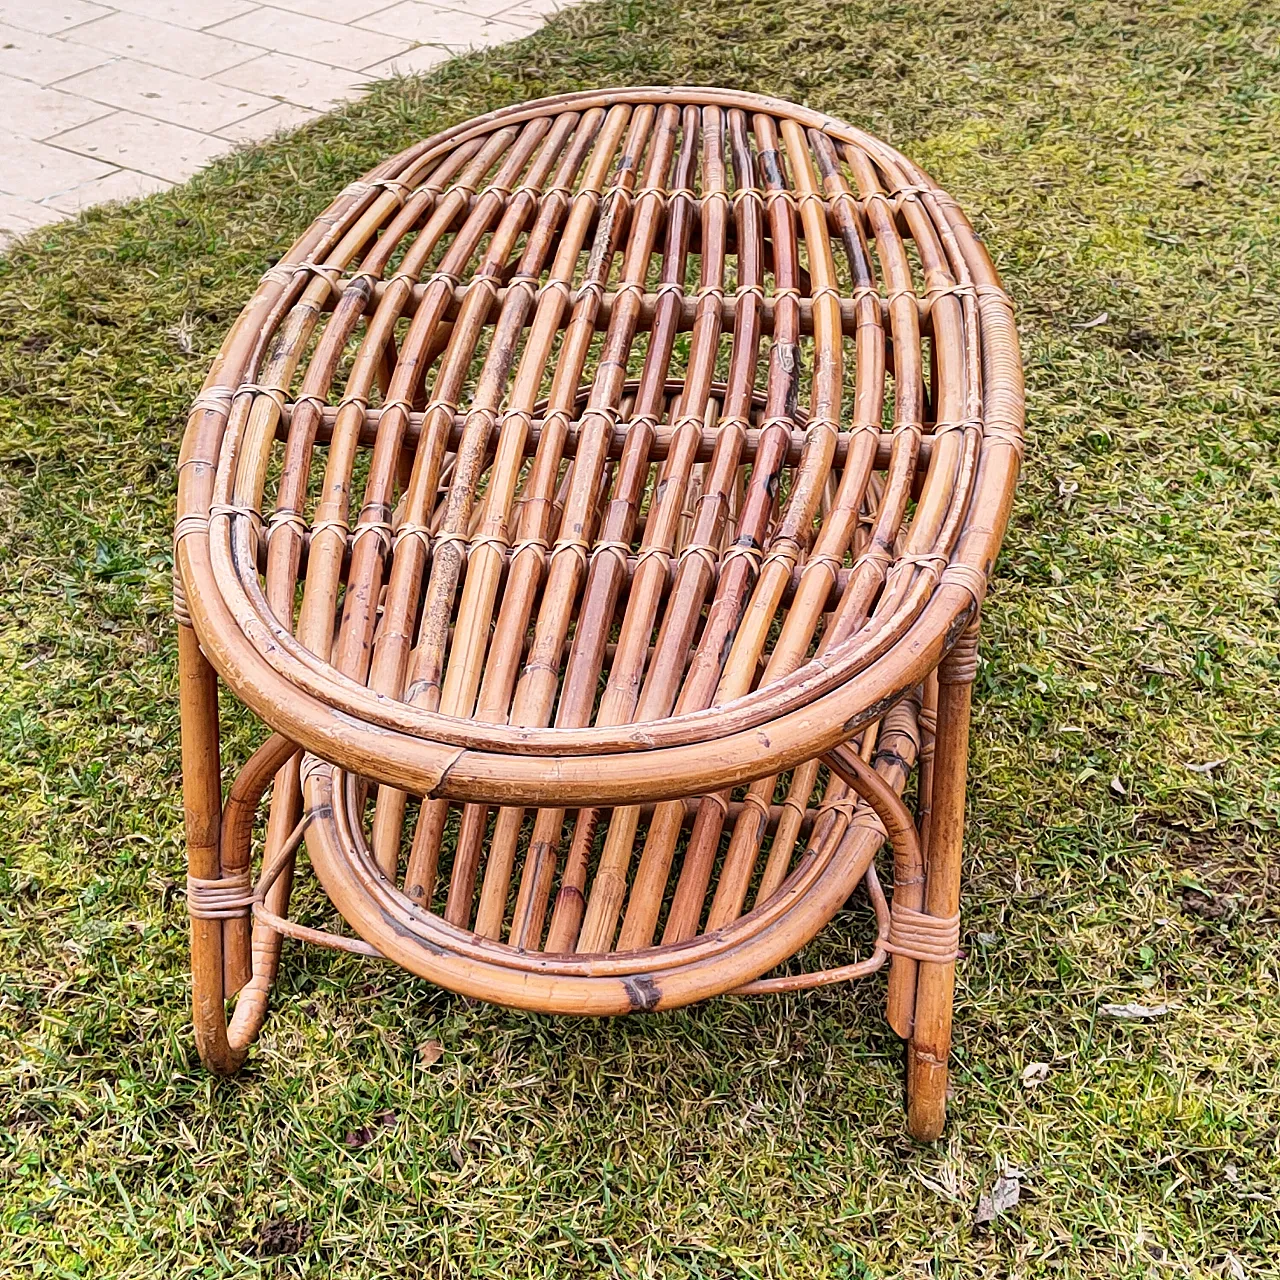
[(610, 472), (450, 402)]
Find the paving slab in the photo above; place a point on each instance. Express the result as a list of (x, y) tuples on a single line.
[(112, 99)]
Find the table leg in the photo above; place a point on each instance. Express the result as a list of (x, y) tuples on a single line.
[(202, 802), (930, 1043)]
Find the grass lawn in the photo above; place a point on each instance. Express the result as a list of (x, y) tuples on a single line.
[(1121, 161)]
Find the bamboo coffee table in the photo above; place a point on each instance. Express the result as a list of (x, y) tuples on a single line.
[(597, 503)]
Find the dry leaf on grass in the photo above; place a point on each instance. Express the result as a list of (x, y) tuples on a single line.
[(1002, 1197), (1208, 767), (1136, 1012), (365, 1134), (1035, 1073)]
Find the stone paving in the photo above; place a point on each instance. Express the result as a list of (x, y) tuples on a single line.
[(110, 99)]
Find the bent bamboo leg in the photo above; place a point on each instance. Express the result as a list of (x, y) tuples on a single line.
[(930, 1043), (264, 768)]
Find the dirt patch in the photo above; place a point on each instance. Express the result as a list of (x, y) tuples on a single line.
[(1206, 906), (280, 1236)]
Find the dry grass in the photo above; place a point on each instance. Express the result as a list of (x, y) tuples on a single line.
[(1122, 159)]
